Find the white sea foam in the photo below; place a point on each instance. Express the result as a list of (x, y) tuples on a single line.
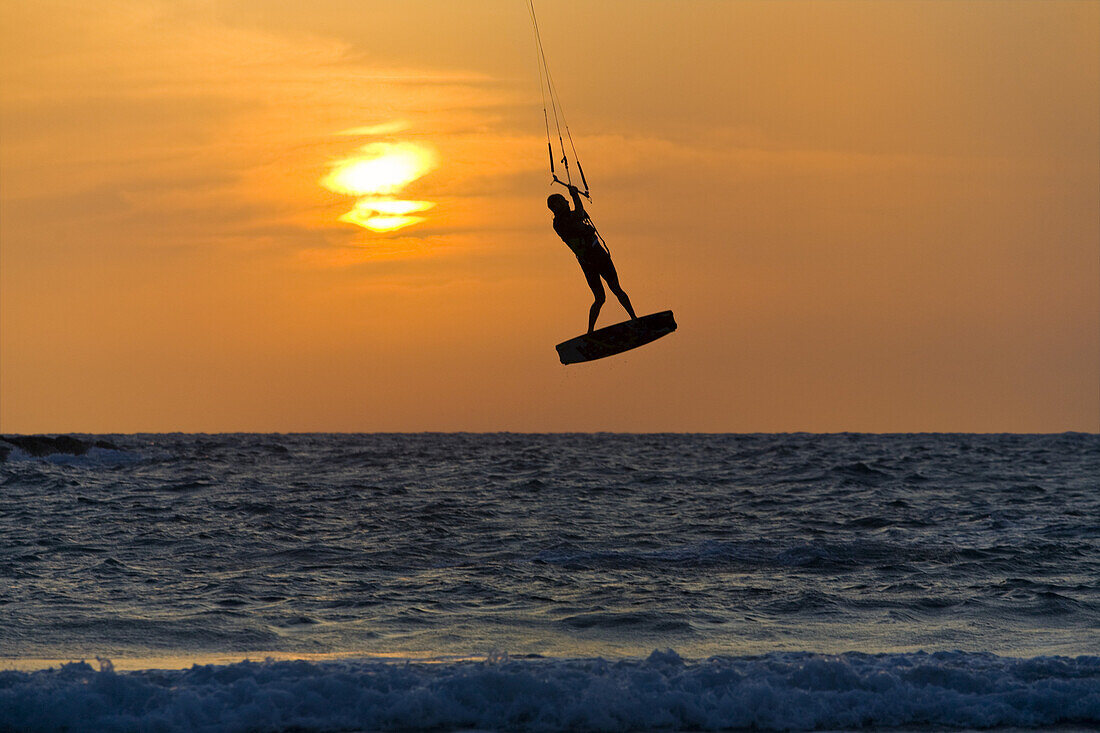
[(780, 691)]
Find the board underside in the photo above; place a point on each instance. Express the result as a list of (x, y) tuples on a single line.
[(617, 338)]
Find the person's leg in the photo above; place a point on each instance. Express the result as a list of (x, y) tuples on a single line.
[(612, 277), (592, 275)]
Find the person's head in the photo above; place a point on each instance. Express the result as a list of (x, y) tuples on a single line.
[(557, 203)]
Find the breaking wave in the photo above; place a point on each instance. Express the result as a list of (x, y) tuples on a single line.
[(779, 691)]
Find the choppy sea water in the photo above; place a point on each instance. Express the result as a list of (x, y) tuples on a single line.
[(803, 581)]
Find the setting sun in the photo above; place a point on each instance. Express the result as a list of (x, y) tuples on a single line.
[(385, 215), (381, 169)]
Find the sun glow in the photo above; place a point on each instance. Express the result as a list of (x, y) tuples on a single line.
[(385, 215), (375, 174)]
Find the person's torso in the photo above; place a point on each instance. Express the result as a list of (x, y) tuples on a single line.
[(578, 233)]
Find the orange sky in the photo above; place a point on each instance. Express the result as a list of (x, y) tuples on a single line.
[(866, 216)]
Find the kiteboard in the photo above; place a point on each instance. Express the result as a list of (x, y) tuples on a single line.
[(616, 339)]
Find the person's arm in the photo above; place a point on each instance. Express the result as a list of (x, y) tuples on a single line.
[(578, 205)]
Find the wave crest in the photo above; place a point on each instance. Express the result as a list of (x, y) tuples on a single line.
[(780, 691)]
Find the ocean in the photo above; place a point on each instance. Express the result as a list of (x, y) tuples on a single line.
[(603, 582)]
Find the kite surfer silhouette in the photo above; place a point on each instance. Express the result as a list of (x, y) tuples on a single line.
[(576, 229), (578, 232)]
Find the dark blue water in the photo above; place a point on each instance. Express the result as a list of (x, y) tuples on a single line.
[(554, 544), (568, 547)]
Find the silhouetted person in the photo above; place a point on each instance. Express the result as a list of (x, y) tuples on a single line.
[(576, 230)]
